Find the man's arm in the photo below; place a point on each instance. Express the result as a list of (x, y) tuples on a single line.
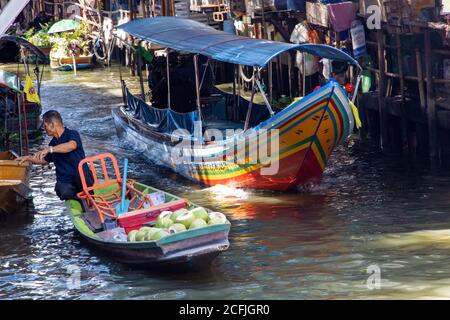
[(60, 148), (39, 157), (32, 159)]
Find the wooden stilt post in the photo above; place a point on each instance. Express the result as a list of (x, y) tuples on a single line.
[(382, 89), (431, 102), (141, 80), (423, 102), (143, 8), (404, 123)]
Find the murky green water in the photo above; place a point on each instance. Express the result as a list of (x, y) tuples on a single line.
[(370, 212)]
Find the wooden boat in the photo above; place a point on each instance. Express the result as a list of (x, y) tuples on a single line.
[(308, 130), (66, 63), (14, 183), (193, 247)]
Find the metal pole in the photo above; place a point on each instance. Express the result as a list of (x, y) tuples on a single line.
[(197, 88), (6, 120), (250, 105), (168, 78), (20, 123), (234, 93), (25, 123), (304, 74)]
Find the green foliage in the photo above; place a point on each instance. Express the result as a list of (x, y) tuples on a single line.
[(60, 41), (40, 38)]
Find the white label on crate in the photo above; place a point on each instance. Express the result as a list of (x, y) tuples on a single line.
[(158, 198)]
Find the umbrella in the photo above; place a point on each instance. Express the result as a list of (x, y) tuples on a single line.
[(64, 25)]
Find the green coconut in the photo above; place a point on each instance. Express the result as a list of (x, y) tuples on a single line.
[(198, 223), (132, 236), (217, 218), (176, 227), (149, 231), (159, 235), (186, 219), (200, 213), (164, 223), (140, 235), (162, 215), (145, 228), (178, 213)]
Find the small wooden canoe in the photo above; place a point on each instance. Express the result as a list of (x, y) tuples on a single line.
[(66, 63), (192, 248), (14, 183)]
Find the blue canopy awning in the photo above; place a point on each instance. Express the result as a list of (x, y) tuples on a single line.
[(191, 36)]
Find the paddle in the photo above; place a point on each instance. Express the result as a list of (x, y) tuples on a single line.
[(123, 205)]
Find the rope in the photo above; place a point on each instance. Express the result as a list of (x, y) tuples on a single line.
[(243, 76)]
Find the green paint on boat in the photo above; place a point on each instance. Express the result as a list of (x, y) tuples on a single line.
[(75, 211)]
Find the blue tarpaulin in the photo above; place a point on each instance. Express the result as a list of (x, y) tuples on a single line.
[(191, 36), (162, 120)]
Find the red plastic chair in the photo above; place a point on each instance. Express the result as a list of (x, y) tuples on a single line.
[(105, 204)]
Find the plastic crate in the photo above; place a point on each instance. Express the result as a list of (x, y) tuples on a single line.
[(135, 219)]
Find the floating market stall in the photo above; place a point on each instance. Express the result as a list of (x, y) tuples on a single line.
[(140, 225), (70, 49)]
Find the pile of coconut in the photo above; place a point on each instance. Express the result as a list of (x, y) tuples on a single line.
[(169, 222)]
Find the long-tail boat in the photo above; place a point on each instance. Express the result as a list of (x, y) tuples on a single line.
[(99, 221), (308, 130), (67, 63), (14, 183)]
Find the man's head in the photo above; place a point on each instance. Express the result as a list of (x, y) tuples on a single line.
[(52, 122)]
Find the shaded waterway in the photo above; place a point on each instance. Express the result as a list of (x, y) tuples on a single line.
[(371, 212)]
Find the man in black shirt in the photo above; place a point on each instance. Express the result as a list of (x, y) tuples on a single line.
[(65, 150)]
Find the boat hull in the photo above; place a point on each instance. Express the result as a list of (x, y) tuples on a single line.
[(191, 248), (307, 133), (66, 63)]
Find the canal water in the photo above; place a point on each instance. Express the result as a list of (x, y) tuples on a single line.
[(376, 227)]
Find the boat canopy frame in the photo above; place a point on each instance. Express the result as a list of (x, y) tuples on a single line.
[(196, 38)]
